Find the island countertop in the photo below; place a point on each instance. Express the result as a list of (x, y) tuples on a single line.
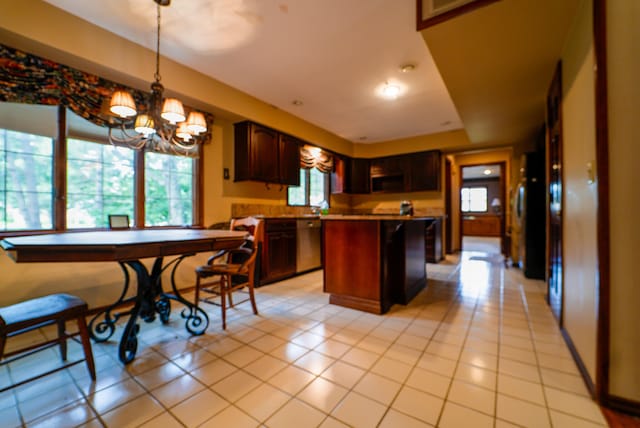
[(396, 217)]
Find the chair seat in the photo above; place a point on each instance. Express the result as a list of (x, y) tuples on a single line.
[(219, 269), (40, 310), (33, 314)]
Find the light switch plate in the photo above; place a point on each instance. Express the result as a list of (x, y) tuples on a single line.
[(225, 173)]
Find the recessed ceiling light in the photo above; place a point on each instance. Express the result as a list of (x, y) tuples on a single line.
[(391, 91), (487, 172), (407, 68), (296, 102)]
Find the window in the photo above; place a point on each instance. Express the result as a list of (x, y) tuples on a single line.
[(26, 181), (168, 190), (100, 181), (313, 189), (473, 199)]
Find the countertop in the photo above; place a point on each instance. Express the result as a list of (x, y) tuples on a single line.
[(375, 217)]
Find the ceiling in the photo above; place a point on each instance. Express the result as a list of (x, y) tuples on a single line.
[(334, 56)]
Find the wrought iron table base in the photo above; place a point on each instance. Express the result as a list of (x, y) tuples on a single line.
[(150, 299)]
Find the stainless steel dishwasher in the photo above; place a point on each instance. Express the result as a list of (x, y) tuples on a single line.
[(308, 254)]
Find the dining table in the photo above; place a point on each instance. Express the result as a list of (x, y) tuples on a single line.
[(128, 248)]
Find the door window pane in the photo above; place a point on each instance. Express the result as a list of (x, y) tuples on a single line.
[(168, 190), (26, 181), (100, 181)]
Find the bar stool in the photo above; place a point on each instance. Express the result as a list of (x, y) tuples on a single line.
[(40, 312)]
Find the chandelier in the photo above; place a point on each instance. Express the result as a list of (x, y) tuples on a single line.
[(162, 125)]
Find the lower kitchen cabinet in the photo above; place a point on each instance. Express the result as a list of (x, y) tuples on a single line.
[(279, 250), (433, 242)]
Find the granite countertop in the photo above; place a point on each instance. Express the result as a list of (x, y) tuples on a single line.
[(376, 217)]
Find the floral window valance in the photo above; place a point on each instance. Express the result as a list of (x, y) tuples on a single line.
[(30, 79), (314, 157)]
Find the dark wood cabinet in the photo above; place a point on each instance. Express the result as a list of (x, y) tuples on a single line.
[(424, 171), (289, 160), (433, 242), (406, 173), (350, 175), (358, 176), (339, 175), (279, 250), (263, 154), (388, 174)]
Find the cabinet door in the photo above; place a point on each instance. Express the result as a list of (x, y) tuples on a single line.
[(264, 154), (339, 175), (359, 176), (289, 160), (425, 171), (281, 255)]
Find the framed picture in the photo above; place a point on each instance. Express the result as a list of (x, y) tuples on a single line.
[(118, 221)]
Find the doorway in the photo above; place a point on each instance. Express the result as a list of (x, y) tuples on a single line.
[(482, 203)]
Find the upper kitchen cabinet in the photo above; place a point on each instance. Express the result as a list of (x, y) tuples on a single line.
[(263, 154), (358, 176), (289, 160), (425, 171), (412, 172), (389, 174), (350, 175)]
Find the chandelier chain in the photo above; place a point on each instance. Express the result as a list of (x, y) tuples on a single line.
[(157, 74)]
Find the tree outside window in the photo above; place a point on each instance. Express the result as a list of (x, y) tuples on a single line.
[(313, 189), (168, 190), (26, 183), (100, 181)]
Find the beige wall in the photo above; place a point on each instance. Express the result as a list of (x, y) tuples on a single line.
[(580, 198), (478, 158), (440, 141), (623, 34)]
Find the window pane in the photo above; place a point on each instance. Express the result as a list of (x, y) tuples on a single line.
[(473, 199), (26, 168), (464, 199), (99, 182), (297, 194), (168, 190), (478, 199), (317, 192)]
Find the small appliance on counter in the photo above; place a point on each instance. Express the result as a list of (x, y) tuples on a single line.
[(406, 208)]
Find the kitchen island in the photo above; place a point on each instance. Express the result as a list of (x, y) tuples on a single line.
[(373, 261)]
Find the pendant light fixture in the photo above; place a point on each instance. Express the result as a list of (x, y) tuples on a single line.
[(162, 126)]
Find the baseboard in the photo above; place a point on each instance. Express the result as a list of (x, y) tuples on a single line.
[(581, 367), (623, 405)]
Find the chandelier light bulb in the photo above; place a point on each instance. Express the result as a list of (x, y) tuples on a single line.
[(122, 104), (391, 91), (173, 111), (196, 123), (183, 131), (144, 125)]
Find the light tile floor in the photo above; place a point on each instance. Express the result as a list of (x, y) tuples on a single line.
[(478, 347)]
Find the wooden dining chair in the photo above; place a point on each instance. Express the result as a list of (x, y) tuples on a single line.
[(235, 269), (39, 312)]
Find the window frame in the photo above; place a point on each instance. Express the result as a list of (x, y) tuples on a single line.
[(307, 184), (59, 187)]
